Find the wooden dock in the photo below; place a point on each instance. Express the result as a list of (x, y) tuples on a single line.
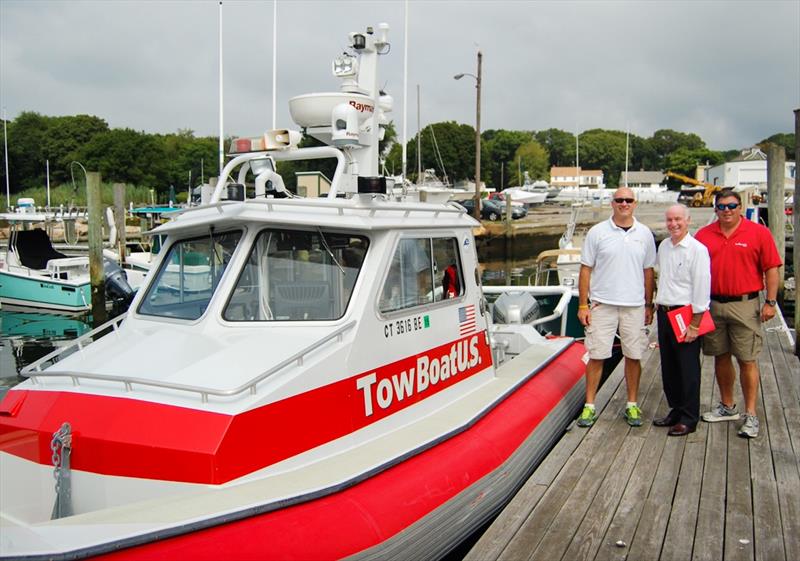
[(615, 492)]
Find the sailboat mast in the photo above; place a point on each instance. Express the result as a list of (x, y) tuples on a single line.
[(5, 148), (405, 92), (419, 143), (627, 144)]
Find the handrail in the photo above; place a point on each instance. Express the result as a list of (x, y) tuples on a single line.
[(203, 391), (37, 366), (558, 311)]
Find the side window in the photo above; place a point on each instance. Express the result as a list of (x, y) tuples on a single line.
[(448, 280), (422, 271)]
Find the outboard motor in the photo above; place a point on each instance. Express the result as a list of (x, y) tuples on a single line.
[(515, 306), (117, 287)]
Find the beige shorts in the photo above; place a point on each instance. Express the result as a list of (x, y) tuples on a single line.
[(738, 330), (605, 321)]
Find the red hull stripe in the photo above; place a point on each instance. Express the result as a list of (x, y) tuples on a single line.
[(133, 438), (367, 514)]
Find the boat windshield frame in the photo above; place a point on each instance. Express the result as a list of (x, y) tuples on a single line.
[(188, 277), (297, 275)]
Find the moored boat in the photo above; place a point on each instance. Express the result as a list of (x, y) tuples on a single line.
[(332, 385)]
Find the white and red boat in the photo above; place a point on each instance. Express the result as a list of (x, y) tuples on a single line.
[(336, 388)]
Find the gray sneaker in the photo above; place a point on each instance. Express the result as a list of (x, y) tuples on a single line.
[(749, 428), (721, 413)]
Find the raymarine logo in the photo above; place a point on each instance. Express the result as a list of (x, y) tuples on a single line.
[(741, 244)]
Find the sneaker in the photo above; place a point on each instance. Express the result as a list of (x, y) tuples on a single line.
[(587, 417), (749, 428), (633, 415), (721, 413)]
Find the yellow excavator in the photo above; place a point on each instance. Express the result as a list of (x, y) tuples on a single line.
[(706, 198)]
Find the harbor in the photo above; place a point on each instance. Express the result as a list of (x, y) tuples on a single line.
[(617, 492)]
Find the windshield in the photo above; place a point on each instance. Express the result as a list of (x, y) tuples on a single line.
[(189, 275), (297, 276)]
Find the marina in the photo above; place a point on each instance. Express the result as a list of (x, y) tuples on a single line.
[(616, 492)]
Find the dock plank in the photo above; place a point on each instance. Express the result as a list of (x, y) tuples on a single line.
[(617, 493)]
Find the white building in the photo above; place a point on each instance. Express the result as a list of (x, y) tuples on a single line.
[(576, 177), (749, 169)]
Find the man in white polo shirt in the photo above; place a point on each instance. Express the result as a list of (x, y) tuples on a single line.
[(617, 260)]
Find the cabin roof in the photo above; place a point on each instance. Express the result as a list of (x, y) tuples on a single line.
[(340, 214)]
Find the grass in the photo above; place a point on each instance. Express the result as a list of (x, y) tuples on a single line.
[(68, 197)]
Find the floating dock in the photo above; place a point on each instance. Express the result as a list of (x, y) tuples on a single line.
[(616, 492)]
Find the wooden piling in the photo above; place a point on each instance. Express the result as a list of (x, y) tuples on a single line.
[(96, 272), (776, 174), (796, 222), (119, 219)]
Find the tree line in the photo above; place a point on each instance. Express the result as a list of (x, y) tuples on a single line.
[(181, 159)]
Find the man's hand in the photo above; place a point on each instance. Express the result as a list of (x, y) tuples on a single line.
[(767, 312), (585, 316), (648, 315)]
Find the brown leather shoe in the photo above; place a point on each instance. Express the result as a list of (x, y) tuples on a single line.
[(666, 421), (680, 430)]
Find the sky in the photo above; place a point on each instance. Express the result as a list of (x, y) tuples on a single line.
[(728, 71)]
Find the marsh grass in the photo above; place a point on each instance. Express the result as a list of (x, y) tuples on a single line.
[(69, 197)]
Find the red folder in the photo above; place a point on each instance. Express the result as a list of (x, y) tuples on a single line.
[(680, 318)]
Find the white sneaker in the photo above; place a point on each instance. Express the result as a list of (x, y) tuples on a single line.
[(749, 428), (721, 413)]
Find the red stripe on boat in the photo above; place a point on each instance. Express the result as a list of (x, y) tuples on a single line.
[(367, 514), (134, 438)]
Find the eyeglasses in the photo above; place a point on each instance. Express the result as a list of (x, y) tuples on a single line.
[(620, 200), (729, 206)]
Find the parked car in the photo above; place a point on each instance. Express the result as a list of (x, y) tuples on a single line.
[(492, 210)]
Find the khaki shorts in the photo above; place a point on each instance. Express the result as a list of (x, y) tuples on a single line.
[(738, 330), (604, 323)]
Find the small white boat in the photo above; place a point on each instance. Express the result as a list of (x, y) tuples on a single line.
[(33, 274), (336, 388)]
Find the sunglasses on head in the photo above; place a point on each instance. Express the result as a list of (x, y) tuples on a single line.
[(729, 206), (621, 200)]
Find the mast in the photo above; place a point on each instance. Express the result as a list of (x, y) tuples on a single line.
[(5, 148), (627, 143), (405, 92), (274, 62), (221, 136), (419, 143)]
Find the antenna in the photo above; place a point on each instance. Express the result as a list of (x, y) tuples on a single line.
[(5, 148), (221, 137), (405, 91), (274, 61)]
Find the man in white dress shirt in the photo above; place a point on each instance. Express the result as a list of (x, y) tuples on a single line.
[(684, 277)]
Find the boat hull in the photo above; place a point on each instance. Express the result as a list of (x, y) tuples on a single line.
[(421, 506), (37, 292)]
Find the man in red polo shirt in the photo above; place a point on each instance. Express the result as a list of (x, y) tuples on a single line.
[(743, 255)]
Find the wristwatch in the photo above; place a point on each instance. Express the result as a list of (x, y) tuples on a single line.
[(772, 303)]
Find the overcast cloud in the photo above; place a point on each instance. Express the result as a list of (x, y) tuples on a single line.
[(726, 70)]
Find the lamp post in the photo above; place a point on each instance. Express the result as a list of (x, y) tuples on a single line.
[(477, 211)]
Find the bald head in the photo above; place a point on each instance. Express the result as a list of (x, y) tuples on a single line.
[(679, 208)]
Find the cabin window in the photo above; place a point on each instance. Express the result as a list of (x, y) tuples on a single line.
[(188, 276), (297, 276), (422, 271)]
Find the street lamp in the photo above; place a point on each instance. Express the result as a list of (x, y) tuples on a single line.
[(477, 210)]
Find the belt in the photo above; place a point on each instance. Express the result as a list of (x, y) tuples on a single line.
[(740, 298), (664, 308)]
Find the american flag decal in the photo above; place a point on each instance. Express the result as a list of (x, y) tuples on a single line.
[(466, 320)]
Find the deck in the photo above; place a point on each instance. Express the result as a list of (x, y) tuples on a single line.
[(615, 492)]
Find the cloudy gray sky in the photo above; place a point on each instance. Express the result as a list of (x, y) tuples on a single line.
[(726, 70)]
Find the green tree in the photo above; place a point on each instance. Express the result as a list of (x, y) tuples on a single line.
[(456, 145), (666, 141), (785, 139), (604, 150), (501, 164), (127, 156), (559, 144), (685, 160), (534, 159), (65, 138)]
